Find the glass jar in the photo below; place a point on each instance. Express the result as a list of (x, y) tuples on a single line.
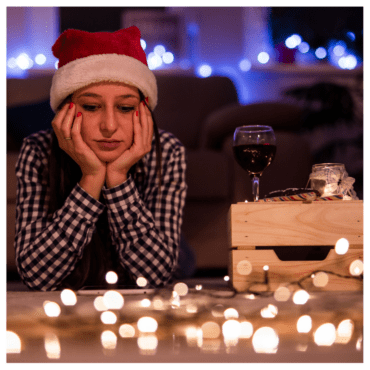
[(327, 177)]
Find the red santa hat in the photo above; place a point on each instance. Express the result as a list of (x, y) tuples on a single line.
[(86, 58)]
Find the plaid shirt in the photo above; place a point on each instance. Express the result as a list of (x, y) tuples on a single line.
[(145, 228)]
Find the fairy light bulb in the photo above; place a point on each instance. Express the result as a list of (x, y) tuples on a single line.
[(51, 309), (342, 246), (108, 339), (111, 277), (68, 297)]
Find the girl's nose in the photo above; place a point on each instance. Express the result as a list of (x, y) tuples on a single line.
[(108, 123)]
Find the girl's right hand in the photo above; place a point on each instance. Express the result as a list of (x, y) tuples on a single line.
[(67, 128)]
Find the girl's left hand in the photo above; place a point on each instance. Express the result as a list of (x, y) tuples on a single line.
[(142, 144)]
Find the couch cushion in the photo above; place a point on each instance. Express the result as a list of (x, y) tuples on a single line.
[(207, 175), (185, 101)]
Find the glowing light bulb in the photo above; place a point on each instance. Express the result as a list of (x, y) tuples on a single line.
[(344, 331), (13, 342), (231, 329), (244, 267), (181, 289), (147, 344), (304, 47), (263, 57), (204, 70), (300, 297), (108, 339), (154, 61), (265, 340), (304, 324), (325, 335), (198, 287), (168, 57), (108, 317), (159, 50), (68, 297), (52, 346), (145, 302), (293, 41), (226, 278), (282, 294), (51, 309), (320, 279), (126, 331), (211, 330), (245, 65), (99, 304), (339, 50), (113, 300), (111, 277), (356, 268), (40, 59), (24, 61), (147, 324), (341, 246), (141, 282), (246, 329), (12, 63), (231, 313), (320, 53), (269, 312)]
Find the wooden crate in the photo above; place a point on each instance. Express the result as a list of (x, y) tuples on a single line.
[(259, 229)]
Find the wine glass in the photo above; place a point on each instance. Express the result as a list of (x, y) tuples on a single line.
[(254, 149)]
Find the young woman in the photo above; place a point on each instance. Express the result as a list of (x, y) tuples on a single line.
[(99, 192)]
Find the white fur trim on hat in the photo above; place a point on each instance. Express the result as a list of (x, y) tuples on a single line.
[(103, 67)]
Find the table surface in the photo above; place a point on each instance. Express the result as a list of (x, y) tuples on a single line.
[(191, 328)]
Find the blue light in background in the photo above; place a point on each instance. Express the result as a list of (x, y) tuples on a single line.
[(143, 43), (320, 53), (168, 57), (159, 50), (351, 36), (245, 65), (263, 57), (304, 47), (204, 70), (293, 41)]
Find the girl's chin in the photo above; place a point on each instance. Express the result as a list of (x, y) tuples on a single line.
[(108, 157)]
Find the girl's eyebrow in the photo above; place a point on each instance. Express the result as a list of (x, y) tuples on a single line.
[(90, 94)]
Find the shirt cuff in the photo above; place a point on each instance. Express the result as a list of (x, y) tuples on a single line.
[(125, 193), (84, 204)]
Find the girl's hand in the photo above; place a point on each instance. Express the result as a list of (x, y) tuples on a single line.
[(142, 144), (67, 128)]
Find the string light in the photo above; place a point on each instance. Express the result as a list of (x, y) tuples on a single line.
[(126, 331), (52, 309), (68, 297), (325, 335), (341, 246), (13, 342)]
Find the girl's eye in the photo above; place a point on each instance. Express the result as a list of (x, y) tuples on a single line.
[(126, 109), (90, 107)]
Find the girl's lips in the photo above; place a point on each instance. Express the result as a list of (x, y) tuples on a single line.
[(109, 145)]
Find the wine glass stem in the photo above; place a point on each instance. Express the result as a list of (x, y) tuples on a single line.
[(256, 187)]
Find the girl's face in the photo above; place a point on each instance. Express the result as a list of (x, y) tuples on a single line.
[(107, 117)]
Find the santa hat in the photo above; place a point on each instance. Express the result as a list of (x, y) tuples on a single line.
[(86, 58)]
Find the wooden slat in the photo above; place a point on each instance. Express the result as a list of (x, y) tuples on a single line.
[(295, 223), (284, 272)]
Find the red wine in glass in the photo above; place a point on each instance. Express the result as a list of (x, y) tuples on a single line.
[(254, 149)]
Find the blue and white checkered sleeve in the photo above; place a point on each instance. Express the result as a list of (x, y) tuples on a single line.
[(46, 248)]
